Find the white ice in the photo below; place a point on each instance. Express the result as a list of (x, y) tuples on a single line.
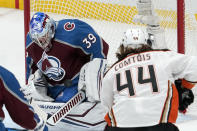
[(12, 57)]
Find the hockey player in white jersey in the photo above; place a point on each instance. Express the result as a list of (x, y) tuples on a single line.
[(156, 34), (138, 91)]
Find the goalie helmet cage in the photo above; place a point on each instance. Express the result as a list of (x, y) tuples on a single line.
[(110, 18)]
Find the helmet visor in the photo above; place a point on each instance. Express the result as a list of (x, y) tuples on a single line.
[(42, 41)]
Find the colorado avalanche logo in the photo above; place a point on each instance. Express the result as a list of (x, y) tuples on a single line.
[(69, 26), (51, 67)]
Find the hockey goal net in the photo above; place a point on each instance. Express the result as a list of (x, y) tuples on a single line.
[(111, 18)]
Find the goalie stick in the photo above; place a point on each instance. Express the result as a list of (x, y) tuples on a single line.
[(65, 109), (61, 112)]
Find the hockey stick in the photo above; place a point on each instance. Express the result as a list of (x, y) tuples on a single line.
[(65, 109), (62, 111)]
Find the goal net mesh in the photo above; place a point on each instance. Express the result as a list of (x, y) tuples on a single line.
[(110, 18)]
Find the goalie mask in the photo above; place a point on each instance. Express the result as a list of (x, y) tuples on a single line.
[(42, 30), (134, 38)]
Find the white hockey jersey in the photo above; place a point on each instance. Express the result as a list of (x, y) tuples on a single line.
[(139, 91)]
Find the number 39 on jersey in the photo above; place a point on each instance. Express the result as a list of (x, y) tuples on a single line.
[(89, 40)]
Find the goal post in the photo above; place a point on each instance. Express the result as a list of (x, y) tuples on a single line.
[(110, 18), (26, 16), (181, 26), (26, 28)]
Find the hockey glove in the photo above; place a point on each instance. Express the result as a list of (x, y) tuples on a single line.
[(186, 96), (36, 88), (30, 91)]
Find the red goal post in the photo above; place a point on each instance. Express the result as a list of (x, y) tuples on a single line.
[(111, 18)]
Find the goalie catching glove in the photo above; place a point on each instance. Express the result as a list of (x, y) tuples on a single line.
[(91, 75), (36, 88)]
